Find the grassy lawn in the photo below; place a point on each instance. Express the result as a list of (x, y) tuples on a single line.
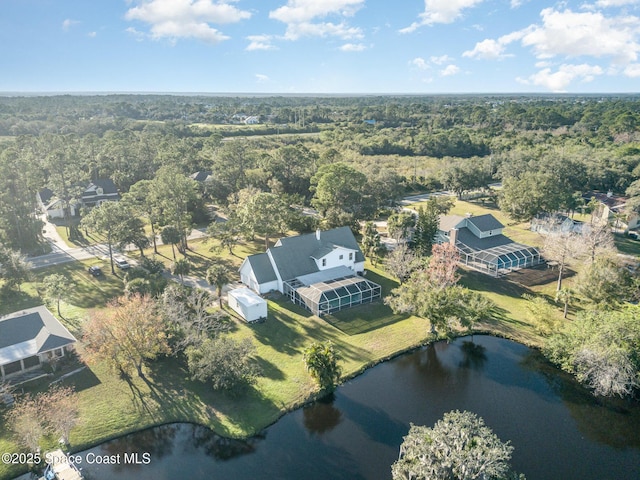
[(627, 245), (112, 406)]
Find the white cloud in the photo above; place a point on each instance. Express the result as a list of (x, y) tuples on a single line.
[(632, 70), (68, 23), (353, 47), (490, 49), (584, 34), (420, 63), (299, 11), (487, 49), (298, 15), (260, 42), (261, 78), (92, 34), (176, 19), (327, 29), (440, 11), (571, 35), (441, 60), (559, 80), (615, 3), (450, 70), (138, 35)]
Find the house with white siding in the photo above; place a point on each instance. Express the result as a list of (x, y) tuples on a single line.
[(321, 271), (29, 338)]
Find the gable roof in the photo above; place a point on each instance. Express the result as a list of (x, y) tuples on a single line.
[(107, 185), (608, 199), (201, 176), (293, 255), (485, 223), (262, 268), (46, 194), (29, 332), (447, 222), (468, 238)]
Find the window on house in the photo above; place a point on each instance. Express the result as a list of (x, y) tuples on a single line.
[(350, 255), (324, 262), (341, 257)]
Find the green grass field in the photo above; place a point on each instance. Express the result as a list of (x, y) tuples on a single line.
[(112, 406)]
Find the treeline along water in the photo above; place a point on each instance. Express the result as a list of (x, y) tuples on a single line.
[(558, 429)]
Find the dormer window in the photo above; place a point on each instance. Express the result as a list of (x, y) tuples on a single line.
[(350, 255), (324, 262)]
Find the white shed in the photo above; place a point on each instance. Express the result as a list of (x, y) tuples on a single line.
[(248, 304)]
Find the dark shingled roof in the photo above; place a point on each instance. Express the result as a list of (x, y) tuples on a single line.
[(200, 176), (293, 255), (107, 185), (35, 325), (467, 237), (485, 223), (45, 195), (262, 269)]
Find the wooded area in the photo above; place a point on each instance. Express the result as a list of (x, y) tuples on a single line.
[(546, 150)]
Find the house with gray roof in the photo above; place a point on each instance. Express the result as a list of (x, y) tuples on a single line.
[(95, 193), (100, 191), (29, 338), (483, 246), (317, 260)]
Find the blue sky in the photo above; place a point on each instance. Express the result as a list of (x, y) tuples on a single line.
[(320, 46)]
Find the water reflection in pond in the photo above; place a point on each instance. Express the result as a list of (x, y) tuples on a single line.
[(557, 428)]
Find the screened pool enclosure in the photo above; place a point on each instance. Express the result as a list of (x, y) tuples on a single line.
[(331, 295), (501, 259)]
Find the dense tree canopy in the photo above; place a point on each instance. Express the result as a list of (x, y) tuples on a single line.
[(601, 349), (460, 446)]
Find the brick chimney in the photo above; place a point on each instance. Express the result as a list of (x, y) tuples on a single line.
[(453, 236)]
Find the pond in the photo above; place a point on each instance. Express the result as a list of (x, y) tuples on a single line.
[(557, 428)]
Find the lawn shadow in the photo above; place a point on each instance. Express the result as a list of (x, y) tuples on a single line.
[(280, 330), (138, 397), (363, 318), (268, 369), (83, 380)]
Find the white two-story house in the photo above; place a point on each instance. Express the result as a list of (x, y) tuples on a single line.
[(320, 271)]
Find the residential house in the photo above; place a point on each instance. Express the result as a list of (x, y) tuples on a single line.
[(96, 192), (483, 246), (252, 120), (53, 206), (612, 209), (320, 271), (29, 338)]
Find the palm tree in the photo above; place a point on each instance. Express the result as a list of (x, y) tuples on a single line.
[(181, 267), (564, 295), (218, 275), (170, 234)]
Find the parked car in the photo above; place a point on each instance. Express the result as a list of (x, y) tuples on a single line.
[(121, 263), (95, 270)]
